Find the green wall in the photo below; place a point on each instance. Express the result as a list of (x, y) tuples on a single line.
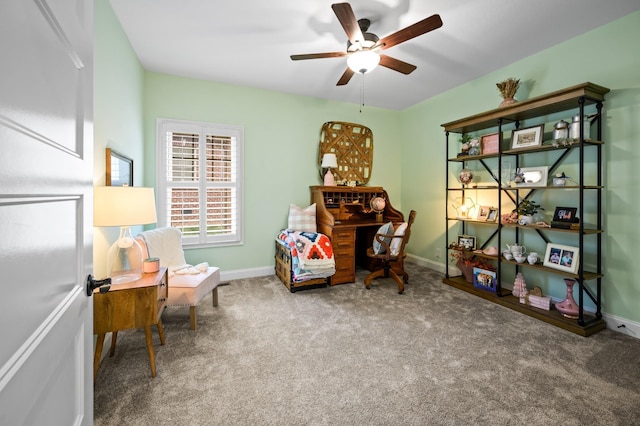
[(118, 86), (281, 136), (606, 56)]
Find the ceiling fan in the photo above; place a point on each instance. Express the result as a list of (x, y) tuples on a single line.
[(363, 48)]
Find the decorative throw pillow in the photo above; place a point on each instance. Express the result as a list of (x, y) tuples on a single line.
[(386, 229), (302, 219), (395, 244)]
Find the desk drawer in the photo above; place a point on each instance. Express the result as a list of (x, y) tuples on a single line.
[(343, 242)]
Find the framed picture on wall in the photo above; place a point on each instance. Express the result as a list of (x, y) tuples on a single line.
[(119, 169)]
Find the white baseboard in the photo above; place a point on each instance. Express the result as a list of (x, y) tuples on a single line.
[(238, 274), (622, 325)]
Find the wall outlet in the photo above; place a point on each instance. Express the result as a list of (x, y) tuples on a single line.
[(438, 253)]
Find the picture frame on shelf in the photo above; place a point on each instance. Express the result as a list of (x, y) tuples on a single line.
[(484, 279), (531, 177), (119, 169), (483, 213), (561, 257), (468, 242), (490, 144), (492, 215), (565, 215), (529, 137)]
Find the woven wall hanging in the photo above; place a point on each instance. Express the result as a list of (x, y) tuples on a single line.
[(353, 145)]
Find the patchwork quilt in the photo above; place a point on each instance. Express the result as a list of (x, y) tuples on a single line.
[(311, 254)]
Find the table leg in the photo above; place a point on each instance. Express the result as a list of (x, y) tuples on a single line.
[(97, 355), (152, 357), (160, 331), (114, 337)]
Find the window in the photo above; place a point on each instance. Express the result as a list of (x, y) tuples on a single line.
[(199, 181)]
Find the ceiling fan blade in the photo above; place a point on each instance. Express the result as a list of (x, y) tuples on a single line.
[(318, 55), (348, 73), (396, 64), (428, 24), (348, 20)]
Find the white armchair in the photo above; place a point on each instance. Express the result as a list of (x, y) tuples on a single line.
[(187, 284)]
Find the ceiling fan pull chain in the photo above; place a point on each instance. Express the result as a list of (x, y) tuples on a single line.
[(362, 94)]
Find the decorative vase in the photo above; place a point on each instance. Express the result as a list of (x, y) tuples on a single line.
[(507, 102), (465, 176), (568, 307), (467, 270)]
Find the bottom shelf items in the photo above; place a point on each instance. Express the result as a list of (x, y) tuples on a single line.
[(553, 317)]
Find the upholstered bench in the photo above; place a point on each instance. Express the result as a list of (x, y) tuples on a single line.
[(185, 289)]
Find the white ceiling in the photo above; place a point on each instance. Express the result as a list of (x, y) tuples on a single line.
[(248, 42)]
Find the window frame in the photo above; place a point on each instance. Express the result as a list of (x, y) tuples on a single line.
[(163, 126)]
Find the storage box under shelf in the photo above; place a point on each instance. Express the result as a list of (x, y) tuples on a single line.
[(284, 272)]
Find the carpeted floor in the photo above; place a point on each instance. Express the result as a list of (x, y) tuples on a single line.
[(347, 356)]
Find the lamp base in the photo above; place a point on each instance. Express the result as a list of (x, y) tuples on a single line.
[(329, 180), (124, 259)]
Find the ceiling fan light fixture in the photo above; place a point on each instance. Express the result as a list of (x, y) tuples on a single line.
[(363, 61)]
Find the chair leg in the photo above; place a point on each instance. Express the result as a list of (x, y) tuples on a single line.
[(371, 276), (193, 315), (398, 280), (214, 294)]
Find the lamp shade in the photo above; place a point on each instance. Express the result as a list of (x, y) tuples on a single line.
[(363, 61), (329, 161), (123, 206)]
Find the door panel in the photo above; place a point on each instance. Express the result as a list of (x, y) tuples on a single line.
[(46, 161)]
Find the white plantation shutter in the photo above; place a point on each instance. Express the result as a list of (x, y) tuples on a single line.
[(199, 172)]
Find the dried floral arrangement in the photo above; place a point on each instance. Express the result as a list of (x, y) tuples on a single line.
[(509, 87), (468, 258)]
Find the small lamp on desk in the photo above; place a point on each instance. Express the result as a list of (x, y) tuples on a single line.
[(124, 206), (329, 161)]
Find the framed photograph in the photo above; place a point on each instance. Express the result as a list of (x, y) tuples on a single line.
[(492, 215), (483, 213), (490, 144), (531, 176), (467, 241), (564, 258), (484, 279), (565, 214), (527, 138), (119, 169)]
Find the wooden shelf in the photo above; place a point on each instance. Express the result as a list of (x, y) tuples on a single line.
[(550, 103), (553, 317), (545, 147)]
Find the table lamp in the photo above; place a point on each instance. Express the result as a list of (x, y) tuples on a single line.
[(124, 206), (329, 161)]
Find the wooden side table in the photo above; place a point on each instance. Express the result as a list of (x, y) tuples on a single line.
[(130, 305)]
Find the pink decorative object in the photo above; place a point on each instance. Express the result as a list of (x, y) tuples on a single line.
[(519, 287), (542, 302), (466, 176), (568, 307)]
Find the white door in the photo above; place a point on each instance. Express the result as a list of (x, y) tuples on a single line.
[(46, 160)]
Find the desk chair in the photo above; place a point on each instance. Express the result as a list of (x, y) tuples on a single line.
[(392, 254)]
